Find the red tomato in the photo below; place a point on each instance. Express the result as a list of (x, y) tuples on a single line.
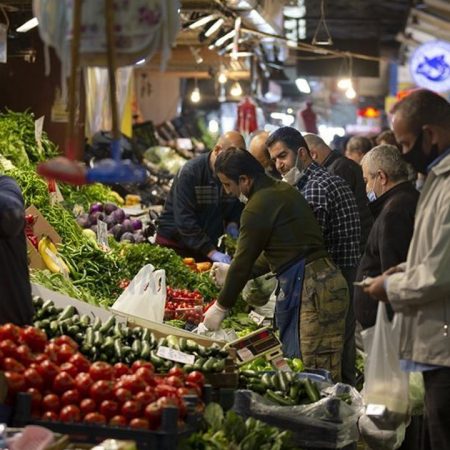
[(12, 365), (101, 390), (70, 413), (109, 408), (63, 382), (122, 395), (95, 417), (8, 348), (51, 416), (83, 383), (174, 381), (69, 368), (144, 373), (182, 391), (34, 338), (130, 409), (51, 402), (139, 424), (197, 378), (177, 372), (33, 378), (9, 331), (144, 398), (194, 388), (120, 369), (40, 357), (141, 363), (48, 371), (24, 355), (87, 405), (60, 340), (118, 421), (51, 350), (132, 383), (153, 413), (80, 362), (165, 390), (70, 397), (101, 371), (36, 397), (64, 353)]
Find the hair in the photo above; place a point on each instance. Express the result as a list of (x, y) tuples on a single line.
[(290, 137), (388, 159), (422, 107), (388, 137), (359, 143), (236, 162)]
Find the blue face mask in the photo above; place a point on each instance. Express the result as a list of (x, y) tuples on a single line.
[(371, 196)]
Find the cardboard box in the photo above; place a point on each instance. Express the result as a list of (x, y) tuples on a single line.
[(41, 228)]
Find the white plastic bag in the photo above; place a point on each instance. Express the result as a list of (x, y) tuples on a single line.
[(385, 384), (145, 297)]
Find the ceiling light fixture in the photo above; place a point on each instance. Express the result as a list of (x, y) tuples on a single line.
[(350, 93), (27, 26), (214, 27), (202, 21), (225, 38), (195, 94), (303, 85), (236, 89), (323, 23), (222, 78), (344, 83)]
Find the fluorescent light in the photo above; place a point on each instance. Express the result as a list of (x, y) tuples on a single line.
[(202, 21), (303, 85), (195, 95), (27, 26), (344, 83), (140, 62), (236, 90), (225, 38), (214, 27)]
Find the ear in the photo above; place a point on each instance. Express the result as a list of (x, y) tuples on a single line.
[(383, 177), (217, 149)]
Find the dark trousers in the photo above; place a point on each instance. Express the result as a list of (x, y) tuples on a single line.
[(437, 412), (349, 352)]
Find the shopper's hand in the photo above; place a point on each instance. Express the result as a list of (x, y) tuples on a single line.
[(214, 316), (218, 273), (219, 257), (376, 289), (232, 230)]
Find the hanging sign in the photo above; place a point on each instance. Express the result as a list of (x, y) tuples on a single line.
[(430, 66)]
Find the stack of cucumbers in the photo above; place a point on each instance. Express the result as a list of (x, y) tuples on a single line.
[(114, 342), (283, 388)]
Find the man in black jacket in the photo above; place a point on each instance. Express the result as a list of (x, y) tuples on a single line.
[(394, 201), (350, 171), (198, 211), (15, 289)]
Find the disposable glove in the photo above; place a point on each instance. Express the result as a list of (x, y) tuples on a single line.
[(220, 257), (214, 317), (232, 230), (218, 273)]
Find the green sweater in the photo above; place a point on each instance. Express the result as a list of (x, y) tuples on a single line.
[(277, 227)]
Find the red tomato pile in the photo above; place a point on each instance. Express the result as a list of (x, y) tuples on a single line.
[(182, 304), (65, 386)]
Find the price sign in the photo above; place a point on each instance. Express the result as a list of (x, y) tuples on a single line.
[(175, 355), (257, 318), (102, 234)]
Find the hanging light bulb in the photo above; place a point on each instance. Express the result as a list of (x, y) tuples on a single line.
[(236, 90), (350, 93), (195, 94), (344, 83), (222, 78)]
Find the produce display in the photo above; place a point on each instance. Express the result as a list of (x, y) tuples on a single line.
[(184, 306), (66, 386)]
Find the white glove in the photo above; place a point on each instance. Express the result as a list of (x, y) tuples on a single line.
[(214, 316), (218, 273)]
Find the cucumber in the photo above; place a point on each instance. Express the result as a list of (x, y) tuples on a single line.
[(249, 373), (311, 390), (156, 360), (89, 337), (98, 339), (97, 324), (275, 381), (146, 335), (182, 343), (198, 365), (108, 345), (283, 381), (209, 364), (118, 349), (118, 330), (191, 345), (145, 351), (137, 346), (280, 399), (106, 327), (85, 319), (294, 391), (266, 379), (68, 312), (219, 365), (257, 387)]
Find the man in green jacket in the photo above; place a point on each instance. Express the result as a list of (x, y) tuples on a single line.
[(278, 233)]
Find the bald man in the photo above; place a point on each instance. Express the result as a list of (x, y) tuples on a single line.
[(197, 210), (259, 150)]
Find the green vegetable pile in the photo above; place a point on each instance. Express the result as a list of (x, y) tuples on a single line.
[(262, 365), (241, 323), (231, 431)]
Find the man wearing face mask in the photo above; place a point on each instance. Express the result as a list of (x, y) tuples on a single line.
[(419, 289), (393, 201), (334, 206), (278, 233)]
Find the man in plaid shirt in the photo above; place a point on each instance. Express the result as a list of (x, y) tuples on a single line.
[(335, 208)]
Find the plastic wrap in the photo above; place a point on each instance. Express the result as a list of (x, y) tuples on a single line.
[(328, 423)]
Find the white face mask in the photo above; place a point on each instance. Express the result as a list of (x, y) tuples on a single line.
[(243, 198), (293, 175)]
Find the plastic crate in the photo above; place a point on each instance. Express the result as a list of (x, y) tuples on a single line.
[(167, 437)]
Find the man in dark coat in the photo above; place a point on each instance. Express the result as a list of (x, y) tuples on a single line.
[(393, 204)]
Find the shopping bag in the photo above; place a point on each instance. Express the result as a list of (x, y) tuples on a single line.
[(145, 296)]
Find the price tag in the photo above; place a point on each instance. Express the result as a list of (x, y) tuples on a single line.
[(102, 234), (257, 318), (280, 364), (372, 409), (57, 260), (175, 355), (245, 354)]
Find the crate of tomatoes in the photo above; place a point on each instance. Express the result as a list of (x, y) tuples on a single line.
[(51, 384), (185, 305)]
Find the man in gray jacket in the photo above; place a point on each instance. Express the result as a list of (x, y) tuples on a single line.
[(419, 289)]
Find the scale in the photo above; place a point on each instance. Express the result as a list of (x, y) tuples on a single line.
[(260, 343)]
